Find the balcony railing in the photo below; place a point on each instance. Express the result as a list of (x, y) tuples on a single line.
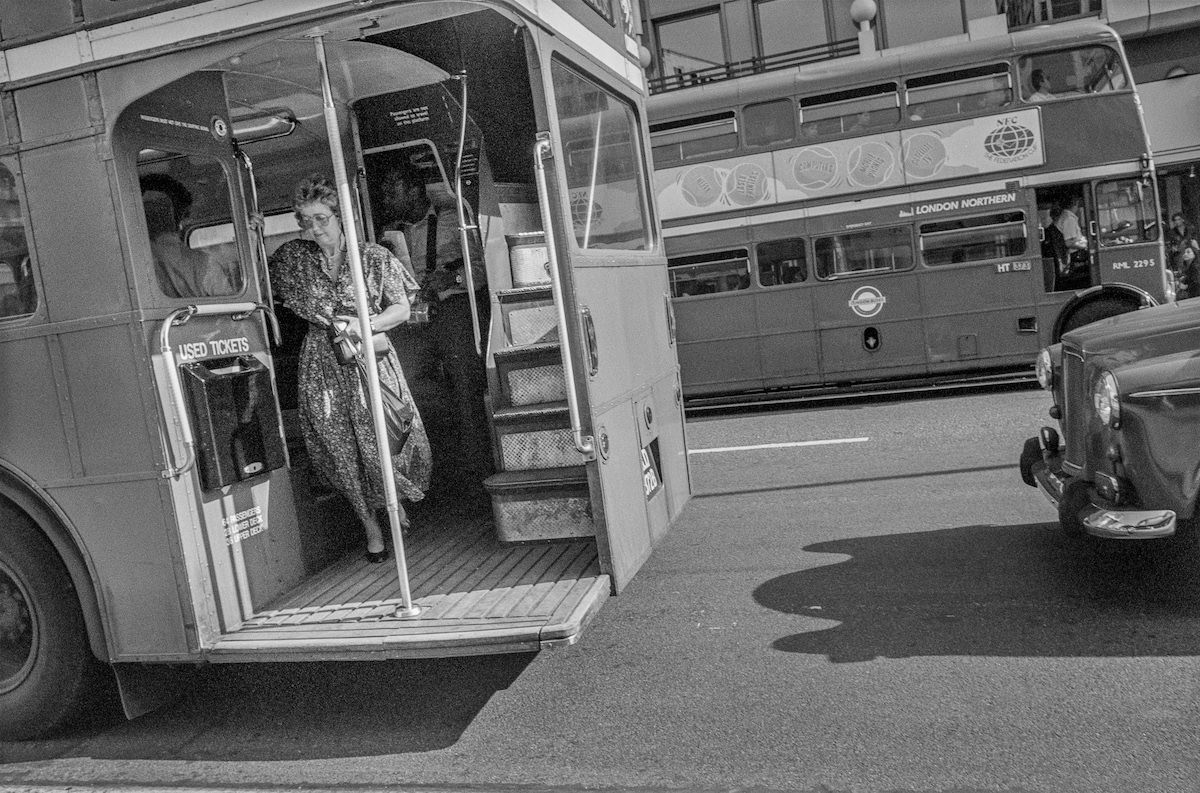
[(769, 63)]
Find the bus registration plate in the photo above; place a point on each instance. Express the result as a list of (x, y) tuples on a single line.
[(651, 470)]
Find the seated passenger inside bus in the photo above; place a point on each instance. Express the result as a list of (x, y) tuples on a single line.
[(182, 271)]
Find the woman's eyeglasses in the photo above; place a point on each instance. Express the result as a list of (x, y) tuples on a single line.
[(308, 221)]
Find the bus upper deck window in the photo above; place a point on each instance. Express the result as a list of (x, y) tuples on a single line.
[(709, 273), (1066, 73), (979, 89), (18, 293), (769, 122), (856, 111)]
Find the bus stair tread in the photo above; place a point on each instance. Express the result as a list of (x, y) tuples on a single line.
[(536, 479), (539, 412), (522, 294), (524, 352)]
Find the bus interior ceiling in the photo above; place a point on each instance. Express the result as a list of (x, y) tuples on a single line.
[(453, 554)]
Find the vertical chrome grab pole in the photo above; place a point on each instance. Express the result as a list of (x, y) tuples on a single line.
[(464, 240), (354, 261), (585, 444)]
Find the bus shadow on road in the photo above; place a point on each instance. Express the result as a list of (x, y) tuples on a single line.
[(293, 711), (992, 591)]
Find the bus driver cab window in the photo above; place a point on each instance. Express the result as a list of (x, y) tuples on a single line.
[(187, 262)]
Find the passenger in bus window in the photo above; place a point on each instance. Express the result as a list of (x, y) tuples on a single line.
[(1185, 265), (1065, 217), (182, 271), (1041, 86), (1179, 233), (310, 276)]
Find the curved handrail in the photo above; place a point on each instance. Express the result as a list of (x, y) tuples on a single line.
[(584, 444), (181, 316)]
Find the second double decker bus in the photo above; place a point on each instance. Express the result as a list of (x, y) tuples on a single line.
[(907, 216)]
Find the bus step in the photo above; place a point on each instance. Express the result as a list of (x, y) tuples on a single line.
[(529, 316), (530, 375), (541, 412), (540, 505)]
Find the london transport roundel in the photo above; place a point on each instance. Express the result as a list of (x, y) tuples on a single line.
[(867, 301)]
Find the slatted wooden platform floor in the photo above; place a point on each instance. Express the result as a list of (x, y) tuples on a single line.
[(475, 595)]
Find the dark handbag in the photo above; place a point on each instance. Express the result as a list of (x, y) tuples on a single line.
[(346, 351), (398, 415)]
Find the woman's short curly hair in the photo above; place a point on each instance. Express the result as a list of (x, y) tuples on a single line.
[(316, 188)]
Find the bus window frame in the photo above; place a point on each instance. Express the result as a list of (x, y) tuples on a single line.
[(1026, 64), (650, 236), (856, 99), (1023, 222), (243, 255), (26, 260), (958, 77), (819, 275), (1151, 228), (806, 271), (725, 256), (792, 117), (677, 134)]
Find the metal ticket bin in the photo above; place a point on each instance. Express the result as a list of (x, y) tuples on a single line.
[(236, 419)]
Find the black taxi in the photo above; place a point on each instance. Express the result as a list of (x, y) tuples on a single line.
[(1124, 460)]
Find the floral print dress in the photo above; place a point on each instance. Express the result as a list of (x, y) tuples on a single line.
[(334, 413)]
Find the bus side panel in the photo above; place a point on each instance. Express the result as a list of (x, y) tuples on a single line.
[(32, 436), (131, 552), (1097, 129), (789, 346), (981, 308), (23, 18), (718, 343), (1136, 265), (111, 421), (889, 342), (52, 108), (74, 230)]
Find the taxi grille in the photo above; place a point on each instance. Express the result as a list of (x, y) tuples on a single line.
[(1075, 408)]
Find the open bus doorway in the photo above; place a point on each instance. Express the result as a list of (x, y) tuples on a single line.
[(273, 552)]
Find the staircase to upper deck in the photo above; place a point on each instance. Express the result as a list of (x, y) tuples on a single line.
[(540, 491)]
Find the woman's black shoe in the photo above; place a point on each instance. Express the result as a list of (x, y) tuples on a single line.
[(377, 557)]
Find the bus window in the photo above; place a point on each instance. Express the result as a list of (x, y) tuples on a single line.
[(18, 294), (1085, 70), (693, 137), (709, 273), (1125, 212), (863, 253), (181, 195), (954, 93), (861, 110), (973, 239), (781, 262), (604, 165), (769, 122)]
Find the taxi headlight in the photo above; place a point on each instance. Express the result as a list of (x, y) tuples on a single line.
[(1044, 369), (1106, 400)]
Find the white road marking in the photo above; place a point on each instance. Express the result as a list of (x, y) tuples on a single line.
[(829, 442)]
